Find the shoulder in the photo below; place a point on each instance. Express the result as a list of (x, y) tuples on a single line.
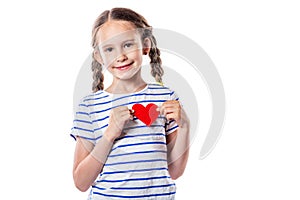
[(163, 89), (93, 98), (159, 87)]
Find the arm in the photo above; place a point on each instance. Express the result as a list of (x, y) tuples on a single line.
[(178, 141), (89, 159), (178, 151)]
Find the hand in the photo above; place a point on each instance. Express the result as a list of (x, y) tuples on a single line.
[(117, 119), (171, 110)]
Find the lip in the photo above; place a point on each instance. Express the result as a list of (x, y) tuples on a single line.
[(123, 67)]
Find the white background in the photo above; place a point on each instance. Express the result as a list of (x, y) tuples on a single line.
[(255, 46)]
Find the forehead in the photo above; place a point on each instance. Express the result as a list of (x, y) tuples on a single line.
[(116, 31)]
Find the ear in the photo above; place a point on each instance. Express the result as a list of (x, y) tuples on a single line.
[(146, 46), (97, 57)]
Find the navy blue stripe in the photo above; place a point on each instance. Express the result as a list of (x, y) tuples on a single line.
[(170, 122), (95, 112), (133, 102), (83, 105), (140, 196), (141, 94), (99, 188), (134, 170), (141, 135), (140, 188), (136, 144), (133, 95), (87, 138), (83, 129), (135, 161), (83, 121), (155, 84), (95, 94), (96, 98), (133, 179), (97, 129), (116, 99), (145, 101), (98, 120), (137, 152), (73, 136), (172, 128), (82, 113), (157, 88)]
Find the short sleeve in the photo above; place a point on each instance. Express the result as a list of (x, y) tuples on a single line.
[(171, 125), (82, 123)]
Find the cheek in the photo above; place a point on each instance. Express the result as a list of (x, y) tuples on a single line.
[(109, 61), (136, 55)]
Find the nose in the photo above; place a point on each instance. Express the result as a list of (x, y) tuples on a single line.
[(122, 57)]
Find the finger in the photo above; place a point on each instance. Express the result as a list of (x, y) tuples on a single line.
[(171, 102), (125, 115), (171, 110), (173, 116), (171, 105), (123, 112), (165, 108), (160, 109), (121, 116), (121, 108), (131, 117)]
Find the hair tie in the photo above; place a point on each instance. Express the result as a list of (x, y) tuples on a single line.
[(160, 83)]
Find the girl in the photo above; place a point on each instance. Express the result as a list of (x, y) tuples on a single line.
[(117, 154)]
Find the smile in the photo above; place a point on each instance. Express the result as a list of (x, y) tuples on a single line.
[(123, 67)]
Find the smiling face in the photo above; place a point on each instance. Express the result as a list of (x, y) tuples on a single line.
[(120, 49)]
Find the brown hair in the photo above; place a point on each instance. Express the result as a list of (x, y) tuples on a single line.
[(140, 22)]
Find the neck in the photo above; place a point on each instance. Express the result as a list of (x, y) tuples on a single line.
[(120, 86)]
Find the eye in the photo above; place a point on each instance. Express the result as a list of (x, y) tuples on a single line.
[(128, 45), (108, 49)]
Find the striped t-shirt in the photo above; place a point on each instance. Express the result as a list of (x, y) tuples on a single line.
[(136, 167)]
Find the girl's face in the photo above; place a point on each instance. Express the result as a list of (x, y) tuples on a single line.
[(120, 49)]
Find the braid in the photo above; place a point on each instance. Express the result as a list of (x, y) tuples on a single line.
[(155, 62), (97, 76)]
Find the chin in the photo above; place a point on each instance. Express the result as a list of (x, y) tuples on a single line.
[(127, 75)]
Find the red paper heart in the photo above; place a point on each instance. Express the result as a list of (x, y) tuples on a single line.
[(147, 115)]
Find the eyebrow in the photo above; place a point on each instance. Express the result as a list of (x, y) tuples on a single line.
[(107, 45)]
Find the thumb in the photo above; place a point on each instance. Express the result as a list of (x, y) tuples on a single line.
[(160, 109)]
